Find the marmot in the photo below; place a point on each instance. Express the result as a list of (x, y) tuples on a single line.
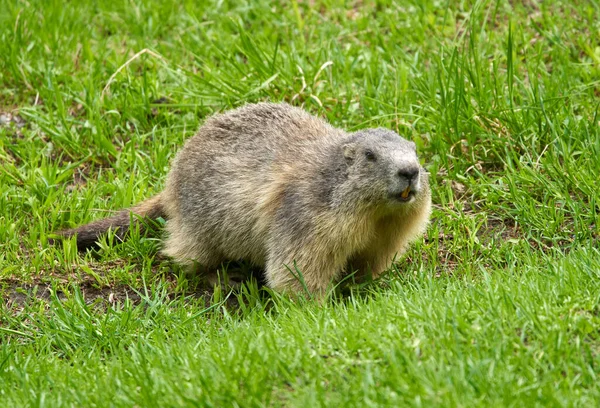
[(273, 185)]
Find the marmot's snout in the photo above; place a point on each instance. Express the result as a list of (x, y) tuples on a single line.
[(406, 184)]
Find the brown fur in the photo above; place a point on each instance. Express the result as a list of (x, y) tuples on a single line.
[(273, 185), (88, 234)]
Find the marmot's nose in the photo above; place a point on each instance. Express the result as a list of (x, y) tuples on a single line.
[(410, 174)]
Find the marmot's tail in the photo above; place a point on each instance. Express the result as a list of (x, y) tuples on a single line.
[(88, 234)]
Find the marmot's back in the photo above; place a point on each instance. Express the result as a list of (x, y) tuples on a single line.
[(249, 145), (273, 126)]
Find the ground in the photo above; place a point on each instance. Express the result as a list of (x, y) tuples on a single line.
[(497, 305)]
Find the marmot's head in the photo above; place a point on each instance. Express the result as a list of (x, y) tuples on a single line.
[(383, 168)]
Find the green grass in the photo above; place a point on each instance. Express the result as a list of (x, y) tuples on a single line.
[(498, 305)]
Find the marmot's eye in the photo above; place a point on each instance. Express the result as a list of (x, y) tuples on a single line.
[(370, 156)]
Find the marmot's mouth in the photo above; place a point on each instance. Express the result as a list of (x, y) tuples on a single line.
[(404, 196)]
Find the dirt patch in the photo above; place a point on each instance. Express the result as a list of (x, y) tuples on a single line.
[(14, 124), (101, 293), (8, 119), (80, 177), (18, 294)]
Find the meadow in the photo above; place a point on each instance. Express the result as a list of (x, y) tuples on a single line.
[(497, 305)]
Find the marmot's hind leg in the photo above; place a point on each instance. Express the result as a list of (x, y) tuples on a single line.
[(187, 250)]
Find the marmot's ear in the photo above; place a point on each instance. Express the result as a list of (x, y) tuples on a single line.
[(349, 152)]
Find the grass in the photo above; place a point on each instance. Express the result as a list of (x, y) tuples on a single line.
[(497, 306)]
